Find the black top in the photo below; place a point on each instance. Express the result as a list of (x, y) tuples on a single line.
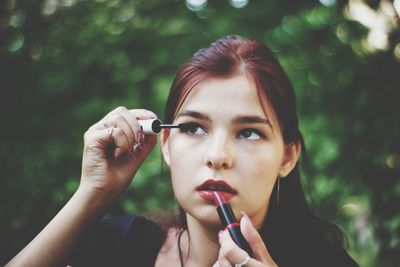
[(126, 241), (135, 241)]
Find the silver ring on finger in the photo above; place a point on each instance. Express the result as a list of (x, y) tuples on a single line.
[(246, 260)]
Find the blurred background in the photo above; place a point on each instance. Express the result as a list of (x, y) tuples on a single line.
[(64, 64)]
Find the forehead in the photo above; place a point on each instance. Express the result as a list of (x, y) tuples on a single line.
[(231, 95)]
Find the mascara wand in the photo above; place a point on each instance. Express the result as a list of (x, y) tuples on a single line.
[(154, 126)]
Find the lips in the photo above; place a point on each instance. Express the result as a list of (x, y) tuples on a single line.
[(207, 188), (214, 185)]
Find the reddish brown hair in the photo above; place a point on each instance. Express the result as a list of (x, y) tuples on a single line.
[(233, 55), (230, 56)]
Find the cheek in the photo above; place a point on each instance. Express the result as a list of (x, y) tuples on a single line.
[(185, 151), (259, 177), (259, 169), (182, 165), (262, 160), (257, 180)]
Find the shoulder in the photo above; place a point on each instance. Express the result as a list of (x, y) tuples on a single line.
[(316, 256), (301, 245), (127, 240), (335, 257), (321, 252)]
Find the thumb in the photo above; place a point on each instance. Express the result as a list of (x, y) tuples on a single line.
[(250, 233)]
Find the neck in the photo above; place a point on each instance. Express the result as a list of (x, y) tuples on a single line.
[(199, 244)]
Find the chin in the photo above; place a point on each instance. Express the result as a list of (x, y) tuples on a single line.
[(207, 216)]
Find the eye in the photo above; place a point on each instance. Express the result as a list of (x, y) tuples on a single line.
[(192, 128), (250, 134)]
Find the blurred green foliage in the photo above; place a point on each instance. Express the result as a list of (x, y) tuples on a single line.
[(66, 63)]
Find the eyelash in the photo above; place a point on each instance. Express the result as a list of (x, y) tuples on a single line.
[(187, 127), (257, 132)]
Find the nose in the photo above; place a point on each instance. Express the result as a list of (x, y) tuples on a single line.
[(219, 154)]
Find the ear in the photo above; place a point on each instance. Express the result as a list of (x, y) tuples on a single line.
[(164, 145), (292, 153)]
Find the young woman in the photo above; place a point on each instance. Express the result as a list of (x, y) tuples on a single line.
[(240, 138)]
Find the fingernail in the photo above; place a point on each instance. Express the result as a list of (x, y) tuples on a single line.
[(246, 218), (220, 233), (152, 114)]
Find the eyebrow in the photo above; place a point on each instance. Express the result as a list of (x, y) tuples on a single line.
[(194, 114), (251, 119), (238, 119)]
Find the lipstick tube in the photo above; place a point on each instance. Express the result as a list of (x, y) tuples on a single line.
[(230, 222)]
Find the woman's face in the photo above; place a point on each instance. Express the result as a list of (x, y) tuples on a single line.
[(230, 137)]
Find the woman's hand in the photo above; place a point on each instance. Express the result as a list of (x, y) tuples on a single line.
[(109, 163), (231, 255), (114, 148)]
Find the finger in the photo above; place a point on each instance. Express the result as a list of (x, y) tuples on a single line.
[(217, 264), (103, 139), (116, 117), (105, 122), (127, 120), (133, 124), (133, 116), (96, 140), (229, 250), (120, 141), (137, 114), (250, 233), (120, 121), (141, 151), (235, 255), (99, 141), (223, 263), (141, 114), (120, 131), (144, 143)]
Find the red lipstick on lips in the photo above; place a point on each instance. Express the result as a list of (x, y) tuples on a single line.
[(230, 222), (207, 188)]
